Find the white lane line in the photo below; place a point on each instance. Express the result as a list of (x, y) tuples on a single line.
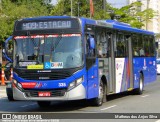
[(24, 106), (158, 120), (28, 105), (145, 96), (108, 107)]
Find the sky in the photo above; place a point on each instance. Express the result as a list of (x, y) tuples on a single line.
[(114, 3), (117, 3)]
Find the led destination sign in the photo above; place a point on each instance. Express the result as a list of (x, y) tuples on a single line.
[(46, 25)]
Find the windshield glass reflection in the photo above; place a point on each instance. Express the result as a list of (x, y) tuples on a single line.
[(64, 50)]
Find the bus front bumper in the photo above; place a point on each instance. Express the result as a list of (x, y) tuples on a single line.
[(77, 93)]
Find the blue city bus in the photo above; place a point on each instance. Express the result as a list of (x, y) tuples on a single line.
[(60, 58)]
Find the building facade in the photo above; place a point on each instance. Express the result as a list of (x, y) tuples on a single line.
[(153, 24)]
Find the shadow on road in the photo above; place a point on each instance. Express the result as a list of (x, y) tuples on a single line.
[(58, 106)]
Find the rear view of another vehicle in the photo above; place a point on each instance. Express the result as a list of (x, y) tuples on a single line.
[(158, 66)]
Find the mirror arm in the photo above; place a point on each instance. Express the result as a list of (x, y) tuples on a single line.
[(6, 42)]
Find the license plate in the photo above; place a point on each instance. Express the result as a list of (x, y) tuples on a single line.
[(44, 94)]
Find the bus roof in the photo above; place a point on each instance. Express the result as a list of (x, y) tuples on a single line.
[(47, 17), (107, 23), (127, 27)]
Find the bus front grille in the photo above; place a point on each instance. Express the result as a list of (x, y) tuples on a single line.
[(54, 93), (33, 75)]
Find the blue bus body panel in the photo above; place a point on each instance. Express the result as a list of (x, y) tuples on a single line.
[(146, 65), (92, 81), (54, 84), (92, 72)]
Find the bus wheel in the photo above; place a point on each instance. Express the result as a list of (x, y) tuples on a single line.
[(99, 100), (139, 91), (44, 104), (9, 92)]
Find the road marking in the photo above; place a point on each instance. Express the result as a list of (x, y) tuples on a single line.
[(108, 107), (28, 105), (158, 120), (145, 96)]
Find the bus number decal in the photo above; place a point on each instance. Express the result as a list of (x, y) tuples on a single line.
[(62, 84)]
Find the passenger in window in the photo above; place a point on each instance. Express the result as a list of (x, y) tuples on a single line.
[(141, 51), (100, 52), (120, 51), (147, 53), (135, 52)]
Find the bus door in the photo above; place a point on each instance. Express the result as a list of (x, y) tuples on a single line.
[(104, 57), (92, 70), (111, 60), (123, 63)]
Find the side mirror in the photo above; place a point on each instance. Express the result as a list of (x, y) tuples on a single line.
[(91, 43), (5, 52)]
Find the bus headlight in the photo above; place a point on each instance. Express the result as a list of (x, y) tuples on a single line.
[(17, 84), (14, 81), (75, 83)]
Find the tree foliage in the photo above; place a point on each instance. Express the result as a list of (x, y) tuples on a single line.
[(130, 14), (12, 10), (64, 8), (133, 15)]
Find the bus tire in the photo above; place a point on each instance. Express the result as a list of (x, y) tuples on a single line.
[(139, 90), (9, 92), (100, 99), (44, 104)]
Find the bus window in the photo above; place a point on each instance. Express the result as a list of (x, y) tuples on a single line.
[(120, 46), (146, 45), (102, 43), (152, 46), (135, 45)]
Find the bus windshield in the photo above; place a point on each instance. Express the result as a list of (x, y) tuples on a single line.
[(61, 51)]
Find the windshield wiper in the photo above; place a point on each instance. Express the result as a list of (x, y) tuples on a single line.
[(54, 46), (36, 47)]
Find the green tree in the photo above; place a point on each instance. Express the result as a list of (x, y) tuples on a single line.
[(12, 10), (130, 14), (64, 8), (133, 15)]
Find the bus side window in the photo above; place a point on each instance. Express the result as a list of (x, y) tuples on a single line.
[(102, 43)]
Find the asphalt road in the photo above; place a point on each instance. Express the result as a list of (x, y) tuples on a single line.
[(148, 102)]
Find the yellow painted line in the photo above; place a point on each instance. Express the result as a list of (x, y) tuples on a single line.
[(130, 89)]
